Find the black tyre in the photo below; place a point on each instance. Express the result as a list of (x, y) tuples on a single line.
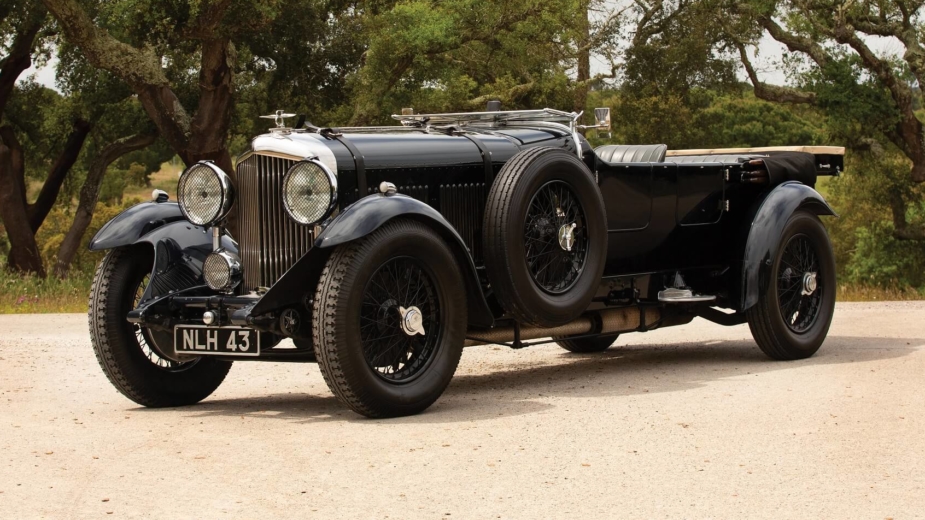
[(368, 340), (545, 236), (587, 345), (137, 360), (792, 316), (306, 344)]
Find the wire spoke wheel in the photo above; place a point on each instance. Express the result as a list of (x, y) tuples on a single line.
[(793, 313), (396, 353), (555, 238), (143, 336), (389, 320), (133, 357), (799, 284)]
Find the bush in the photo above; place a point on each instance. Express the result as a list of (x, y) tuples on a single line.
[(881, 260)]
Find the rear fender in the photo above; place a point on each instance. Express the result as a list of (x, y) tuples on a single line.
[(771, 214), (371, 212)]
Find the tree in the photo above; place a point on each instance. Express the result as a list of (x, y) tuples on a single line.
[(458, 54), (184, 30), (25, 26), (672, 69), (33, 117), (875, 95)]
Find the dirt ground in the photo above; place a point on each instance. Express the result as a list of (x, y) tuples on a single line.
[(689, 422)]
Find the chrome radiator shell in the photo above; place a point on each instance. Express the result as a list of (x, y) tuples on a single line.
[(270, 242)]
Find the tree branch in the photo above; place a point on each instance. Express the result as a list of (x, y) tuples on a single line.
[(768, 92), (20, 57), (794, 42), (49, 194), (909, 127), (89, 194), (139, 68)]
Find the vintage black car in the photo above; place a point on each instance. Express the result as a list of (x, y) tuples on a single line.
[(383, 251)]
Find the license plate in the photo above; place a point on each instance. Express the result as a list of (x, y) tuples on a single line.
[(201, 340)]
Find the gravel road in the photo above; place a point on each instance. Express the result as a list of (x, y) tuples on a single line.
[(690, 422)]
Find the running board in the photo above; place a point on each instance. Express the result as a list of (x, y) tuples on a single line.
[(674, 295)]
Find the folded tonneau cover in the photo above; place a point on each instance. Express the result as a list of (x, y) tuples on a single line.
[(829, 160)]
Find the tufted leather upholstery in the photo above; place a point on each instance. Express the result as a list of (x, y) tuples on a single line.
[(626, 153), (717, 158)]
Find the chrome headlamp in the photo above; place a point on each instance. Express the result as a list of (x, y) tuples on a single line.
[(309, 192), (221, 270), (205, 193)]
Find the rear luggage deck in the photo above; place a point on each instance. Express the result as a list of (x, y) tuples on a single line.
[(829, 160)]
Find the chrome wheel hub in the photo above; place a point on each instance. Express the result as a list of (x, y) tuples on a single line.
[(809, 283), (412, 321), (567, 236)]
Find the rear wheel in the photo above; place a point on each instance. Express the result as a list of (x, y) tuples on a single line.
[(389, 320), (792, 317), (138, 361), (587, 345)]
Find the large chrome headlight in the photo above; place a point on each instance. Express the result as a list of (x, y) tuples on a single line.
[(309, 192), (205, 193)]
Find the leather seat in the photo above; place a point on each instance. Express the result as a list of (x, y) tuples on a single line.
[(717, 158), (631, 153)]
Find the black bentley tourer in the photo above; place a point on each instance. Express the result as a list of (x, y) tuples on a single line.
[(382, 251)]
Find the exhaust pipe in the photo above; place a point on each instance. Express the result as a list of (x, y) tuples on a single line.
[(625, 319)]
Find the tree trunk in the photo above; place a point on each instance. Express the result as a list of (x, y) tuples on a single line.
[(89, 194), (204, 135), (24, 253), (49, 194), (583, 75)]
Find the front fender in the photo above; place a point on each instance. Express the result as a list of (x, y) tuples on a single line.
[(767, 226), (180, 248), (371, 212), (133, 223)]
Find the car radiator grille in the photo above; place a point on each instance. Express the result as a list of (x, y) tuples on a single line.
[(270, 242), (463, 206)]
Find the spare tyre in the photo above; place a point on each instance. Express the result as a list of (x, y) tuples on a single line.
[(545, 236)]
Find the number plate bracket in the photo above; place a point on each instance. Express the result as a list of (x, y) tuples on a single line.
[(203, 340)]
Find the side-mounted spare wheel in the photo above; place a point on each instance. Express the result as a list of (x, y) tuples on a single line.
[(794, 311), (389, 320), (137, 360), (545, 236)]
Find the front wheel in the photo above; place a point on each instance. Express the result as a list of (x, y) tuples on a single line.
[(792, 317), (389, 320), (136, 360)]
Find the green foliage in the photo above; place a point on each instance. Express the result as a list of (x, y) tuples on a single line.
[(51, 235), (342, 62), (29, 294), (457, 54), (741, 120), (865, 249), (881, 260)]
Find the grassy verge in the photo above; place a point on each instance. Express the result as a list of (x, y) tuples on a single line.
[(28, 294), (869, 293)]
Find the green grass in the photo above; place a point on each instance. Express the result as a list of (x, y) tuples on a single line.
[(164, 179), (29, 294)]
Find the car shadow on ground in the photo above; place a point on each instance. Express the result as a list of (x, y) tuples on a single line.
[(509, 387)]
